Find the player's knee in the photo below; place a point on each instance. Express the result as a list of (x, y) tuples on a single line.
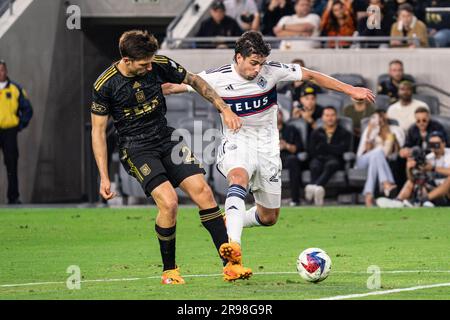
[(206, 193), (270, 218), (170, 205)]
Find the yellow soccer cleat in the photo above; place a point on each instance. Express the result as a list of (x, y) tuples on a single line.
[(172, 277), (231, 252), (232, 272)]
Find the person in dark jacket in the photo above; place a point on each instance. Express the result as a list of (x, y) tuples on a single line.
[(15, 115), (327, 146), (218, 25), (419, 133), (290, 146)]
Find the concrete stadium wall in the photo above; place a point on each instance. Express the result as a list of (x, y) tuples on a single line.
[(45, 58), (427, 65), (137, 8)]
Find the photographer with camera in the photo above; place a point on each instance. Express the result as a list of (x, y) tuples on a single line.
[(428, 175)]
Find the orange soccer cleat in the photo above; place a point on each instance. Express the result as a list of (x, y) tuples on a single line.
[(232, 272), (231, 252), (172, 277)]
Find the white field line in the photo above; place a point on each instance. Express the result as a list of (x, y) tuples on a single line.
[(377, 293), (207, 275)]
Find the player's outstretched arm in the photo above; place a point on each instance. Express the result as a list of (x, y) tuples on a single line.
[(328, 82), (99, 124), (232, 121)]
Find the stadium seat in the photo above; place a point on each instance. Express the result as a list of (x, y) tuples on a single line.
[(385, 77), (445, 122), (382, 101), (326, 99), (339, 179), (353, 79), (431, 101), (285, 101), (179, 106)]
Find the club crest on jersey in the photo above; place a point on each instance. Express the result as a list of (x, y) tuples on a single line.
[(262, 82)]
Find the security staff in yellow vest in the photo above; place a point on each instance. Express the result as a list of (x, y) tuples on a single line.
[(15, 114)]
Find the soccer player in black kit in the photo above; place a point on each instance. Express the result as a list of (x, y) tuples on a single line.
[(130, 92)]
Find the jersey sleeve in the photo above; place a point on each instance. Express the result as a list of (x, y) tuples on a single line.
[(286, 72), (169, 70), (100, 102)]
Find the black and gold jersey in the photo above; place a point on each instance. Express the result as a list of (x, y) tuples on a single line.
[(137, 104)]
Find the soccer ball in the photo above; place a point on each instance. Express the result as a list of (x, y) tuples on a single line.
[(314, 265)]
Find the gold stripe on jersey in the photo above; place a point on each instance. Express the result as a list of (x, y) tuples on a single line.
[(160, 59), (103, 75), (110, 75)]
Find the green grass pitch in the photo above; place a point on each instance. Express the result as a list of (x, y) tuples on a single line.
[(118, 254)]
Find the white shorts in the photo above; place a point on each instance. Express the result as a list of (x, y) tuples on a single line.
[(263, 168)]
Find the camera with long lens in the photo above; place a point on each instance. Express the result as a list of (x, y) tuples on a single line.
[(419, 155)]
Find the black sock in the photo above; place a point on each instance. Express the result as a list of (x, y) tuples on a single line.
[(212, 220), (166, 237)]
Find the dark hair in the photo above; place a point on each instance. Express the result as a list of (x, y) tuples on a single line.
[(299, 61), (406, 7), (137, 45), (396, 61), (333, 23), (422, 110), (329, 108), (2, 63), (252, 42)]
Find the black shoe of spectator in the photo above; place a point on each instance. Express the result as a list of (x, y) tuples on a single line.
[(391, 193), (14, 202)]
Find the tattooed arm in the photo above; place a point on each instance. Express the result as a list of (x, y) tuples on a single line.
[(232, 121)]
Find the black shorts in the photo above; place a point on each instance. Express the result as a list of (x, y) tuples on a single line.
[(152, 165)]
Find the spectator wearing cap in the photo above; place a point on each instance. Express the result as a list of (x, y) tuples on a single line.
[(357, 111), (302, 24), (308, 109), (405, 109), (390, 86), (419, 133), (245, 12), (290, 146), (218, 25), (15, 115), (327, 146), (408, 25)]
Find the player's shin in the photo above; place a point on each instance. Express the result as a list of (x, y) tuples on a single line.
[(166, 237), (212, 220), (235, 210)]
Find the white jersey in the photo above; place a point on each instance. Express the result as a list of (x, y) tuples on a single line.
[(256, 146), (254, 101)]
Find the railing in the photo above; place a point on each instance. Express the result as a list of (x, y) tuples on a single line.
[(5, 5), (437, 89), (177, 19), (174, 42)]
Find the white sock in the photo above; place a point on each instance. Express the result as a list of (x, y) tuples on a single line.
[(235, 211), (251, 219)]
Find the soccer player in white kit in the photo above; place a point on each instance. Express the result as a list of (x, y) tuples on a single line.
[(250, 158)]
